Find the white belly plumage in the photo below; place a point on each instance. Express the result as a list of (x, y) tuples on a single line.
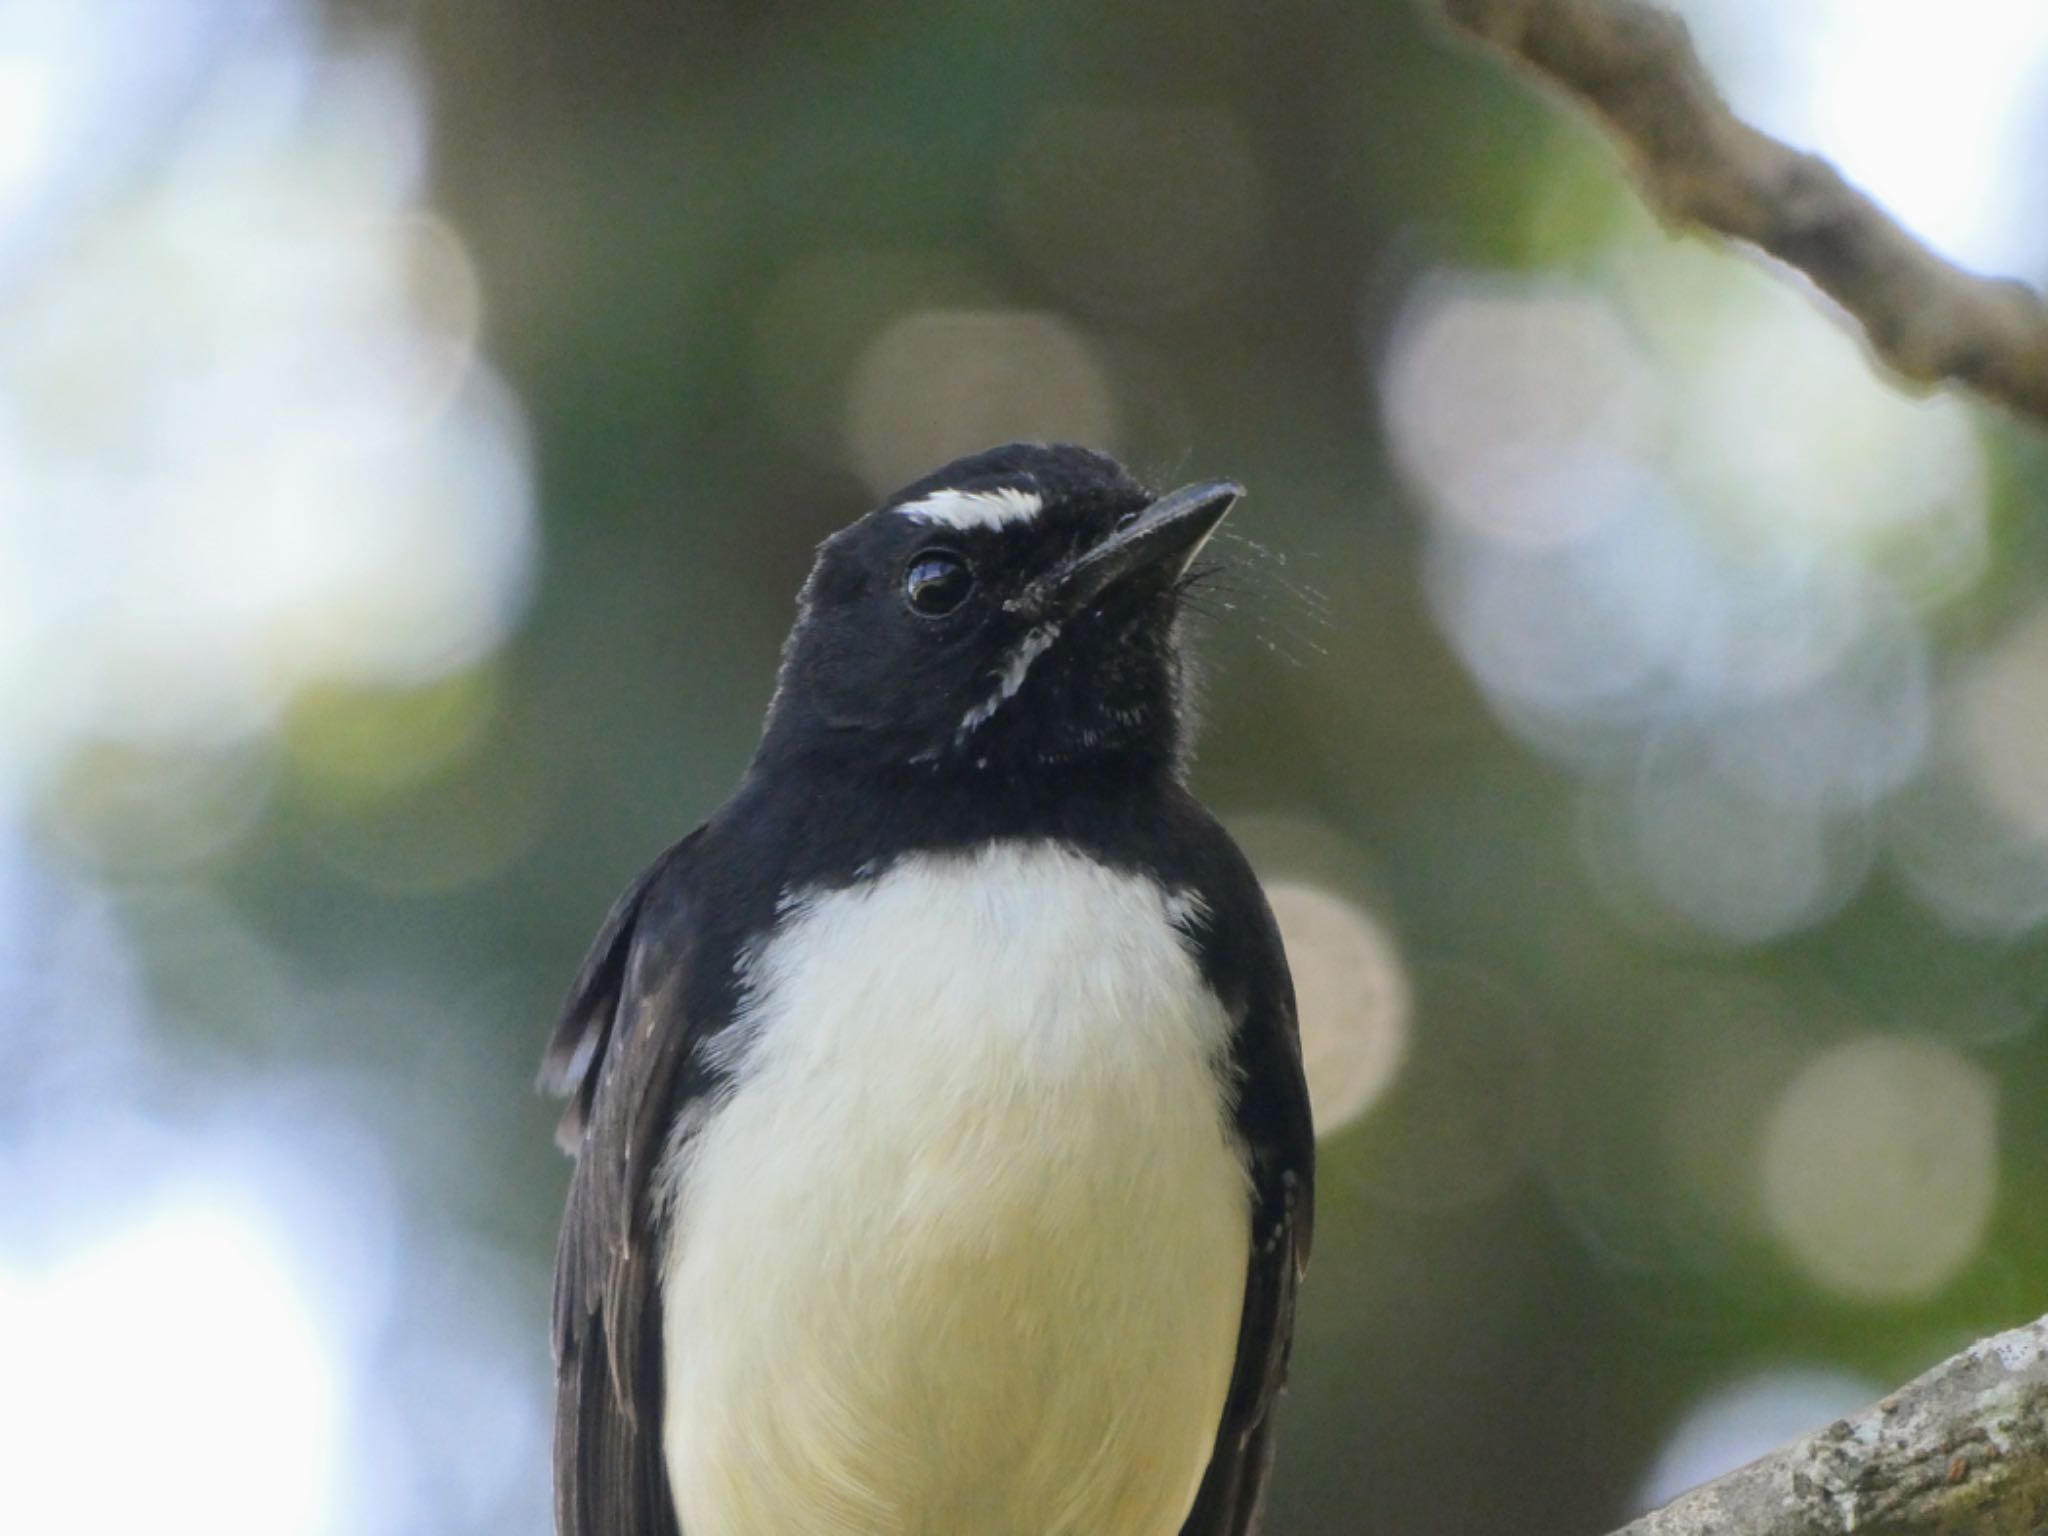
[(963, 1251)]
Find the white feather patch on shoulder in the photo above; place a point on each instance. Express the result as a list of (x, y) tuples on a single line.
[(975, 509)]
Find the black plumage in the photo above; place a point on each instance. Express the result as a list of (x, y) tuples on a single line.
[(863, 761)]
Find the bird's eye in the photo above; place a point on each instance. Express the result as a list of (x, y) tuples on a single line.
[(935, 583)]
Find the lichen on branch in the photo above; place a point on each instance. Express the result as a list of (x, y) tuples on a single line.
[(1962, 1449)]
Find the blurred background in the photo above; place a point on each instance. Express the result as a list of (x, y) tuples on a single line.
[(415, 420)]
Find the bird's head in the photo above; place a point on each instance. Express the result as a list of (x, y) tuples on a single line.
[(1014, 611)]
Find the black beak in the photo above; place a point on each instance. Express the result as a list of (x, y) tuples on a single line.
[(1165, 537)]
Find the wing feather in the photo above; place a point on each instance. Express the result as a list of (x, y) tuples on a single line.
[(1273, 1120), (617, 1052)]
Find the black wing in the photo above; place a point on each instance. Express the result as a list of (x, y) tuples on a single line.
[(1245, 962), (616, 1053)]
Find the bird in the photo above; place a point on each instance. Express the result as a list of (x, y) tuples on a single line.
[(943, 1161)]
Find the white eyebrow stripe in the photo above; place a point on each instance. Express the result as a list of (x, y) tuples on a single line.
[(975, 509)]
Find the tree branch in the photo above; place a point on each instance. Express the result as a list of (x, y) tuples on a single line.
[(1633, 66), (1964, 1448)]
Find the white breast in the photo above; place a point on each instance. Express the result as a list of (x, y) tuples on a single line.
[(963, 1252)]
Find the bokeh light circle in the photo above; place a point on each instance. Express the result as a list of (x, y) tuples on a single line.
[(1880, 1167), (940, 383), (2004, 728), (1351, 992)]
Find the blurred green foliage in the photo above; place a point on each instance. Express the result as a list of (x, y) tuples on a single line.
[(1547, 1242)]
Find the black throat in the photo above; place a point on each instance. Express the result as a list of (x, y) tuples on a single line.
[(837, 813)]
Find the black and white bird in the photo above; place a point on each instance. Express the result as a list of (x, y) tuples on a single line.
[(943, 1158)]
